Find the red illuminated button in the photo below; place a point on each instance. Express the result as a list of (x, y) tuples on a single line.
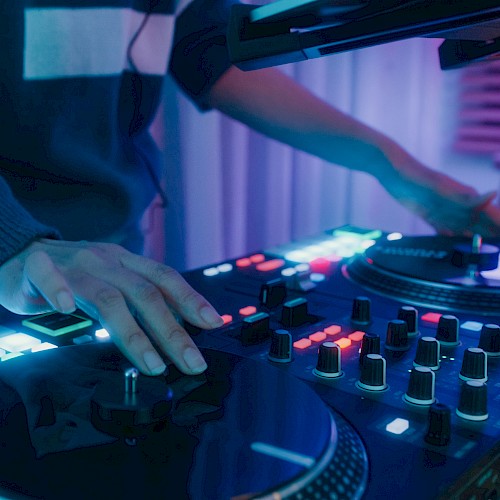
[(320, 265), (256, 258), (248, 310), (302, 344), (227, 318), (332, 329), (245, 262), (431, 317), (270, 265), (343, 342), (356, 336), (318, 336)]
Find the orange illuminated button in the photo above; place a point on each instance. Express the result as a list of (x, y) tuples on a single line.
[(302, 344), (332, 329), (318, 336), (431, 317), (343, 342), (256, 258), (270, 265), (244, 262), (248, 310), (357, 336), (227, 318)]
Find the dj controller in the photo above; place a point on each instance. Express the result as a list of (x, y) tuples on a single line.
[(354, 364)]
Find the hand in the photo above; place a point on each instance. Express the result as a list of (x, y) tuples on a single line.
[(129, 295), (449, 206)]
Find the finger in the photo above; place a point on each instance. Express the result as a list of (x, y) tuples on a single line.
[(148, 302), (190, 304), (43, 278), (107, 304)]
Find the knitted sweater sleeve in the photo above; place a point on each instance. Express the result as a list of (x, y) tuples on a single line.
[(18, 228)]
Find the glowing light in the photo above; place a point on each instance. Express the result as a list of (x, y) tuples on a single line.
[(398, 426), (332, 329), (317, 337), (225, 268), (257, 258), (302, 344), (297, 256), (431, 317), (314, 250), (394, 236), (102, 333), (245, 262), (289, 271), (211, 271), (248, 310), (346, 252), (320, 265), (227, 318), (44, 346), (473, 326), (270, 265), (317, 277), (302, 268), (357, 336), (18, 342), (367, 244), (343, 342)]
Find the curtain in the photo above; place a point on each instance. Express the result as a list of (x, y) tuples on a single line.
[(232, 191)]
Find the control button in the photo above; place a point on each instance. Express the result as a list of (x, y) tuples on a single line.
[(489, 341), (272, 293), (428, 352), (431, 317), (257, 258), (369, 345), (356, 336), (243, 262), (255, 329), (474, 365), (397, 335), (302, 344), (332, 330), (473, 404), (439, 430), (447, 330), (270, 265), (421, 386), (373, 373), (329, 364), (410, 315), (248, 310), (343, 342), (294, 313), (280, 350), (227, 318), (317, 337), (361, 311)]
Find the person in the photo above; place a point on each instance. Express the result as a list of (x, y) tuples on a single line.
[(79, 87)]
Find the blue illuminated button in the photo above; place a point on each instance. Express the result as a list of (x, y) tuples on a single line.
[(398, 426), (473, 326), (18, 342)]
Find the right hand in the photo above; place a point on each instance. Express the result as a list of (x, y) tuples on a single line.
[(131, 296)]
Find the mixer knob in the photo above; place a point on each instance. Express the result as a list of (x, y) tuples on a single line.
[(474, 365), (489, 341), (397, 335), (255, 329), (328, 361), (428, 351), (295, 312), (280, 350), (410, 315), (421, 386), (447, 330), (373, 373), (370, 344), (273, 293), (473, 404), (439, 430), (361, 311)]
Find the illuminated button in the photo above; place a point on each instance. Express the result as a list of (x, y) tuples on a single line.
[(431, 317), (302, 268), (248, 310), (343, 342), (11, 355), (332, 329), (227, 318), (398, 426), (318, 336), (102, 333), (302, 344), (256, 258), (211, 271), (82, 339), (356, 336), (317, 277), (270, 265), (245, 262), (473, 326), (394, 236), (44, 346), (18, 342), (225, 268), (320, 265), (289, 271)]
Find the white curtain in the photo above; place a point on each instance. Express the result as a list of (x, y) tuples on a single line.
[(232, 191)]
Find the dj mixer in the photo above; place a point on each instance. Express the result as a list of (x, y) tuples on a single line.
[(353, 364)]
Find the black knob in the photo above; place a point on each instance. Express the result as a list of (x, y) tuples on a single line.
[(329, 364), (421, 386), (489, 341), (361, 311), (373, 373), (474, 365), (369, 345), (439, 430), (473, 404), (280, 350), (255, 329), (427, 354), (273, 293), (295, 312), (397, 335), (410, 315), (447, 330)]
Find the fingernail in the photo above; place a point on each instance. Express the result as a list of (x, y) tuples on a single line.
[(65, 302), (194, 360), (154, 363), (211, 317)]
